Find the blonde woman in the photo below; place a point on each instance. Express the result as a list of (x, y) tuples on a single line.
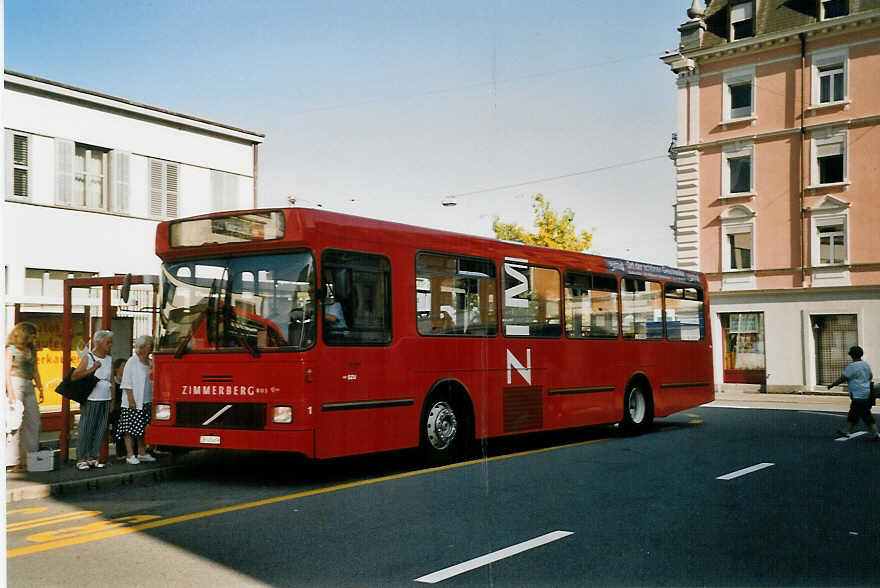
[(95, 411), (21, 379)]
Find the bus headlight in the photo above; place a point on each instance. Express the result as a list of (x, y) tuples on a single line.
[(282, 414), (163, 412)]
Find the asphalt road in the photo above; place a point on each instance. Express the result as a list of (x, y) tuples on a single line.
[(711, 496)]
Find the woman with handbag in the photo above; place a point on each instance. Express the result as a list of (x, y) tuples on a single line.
[(22, 377), (96, 409)]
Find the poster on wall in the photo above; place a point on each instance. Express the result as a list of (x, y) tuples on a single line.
[(50, 353)]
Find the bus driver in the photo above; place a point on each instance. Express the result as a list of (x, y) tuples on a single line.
[(334, 318)]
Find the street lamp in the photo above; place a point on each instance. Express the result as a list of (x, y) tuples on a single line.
[(449, 201)]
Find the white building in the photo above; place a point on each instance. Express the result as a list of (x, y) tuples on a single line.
[(88, 177)]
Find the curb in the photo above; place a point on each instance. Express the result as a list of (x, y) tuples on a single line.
[(37, 490)]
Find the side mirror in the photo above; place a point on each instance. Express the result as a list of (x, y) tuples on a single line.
[(126, 288)]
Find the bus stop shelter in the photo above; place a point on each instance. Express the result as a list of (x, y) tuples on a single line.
[(108, 314)]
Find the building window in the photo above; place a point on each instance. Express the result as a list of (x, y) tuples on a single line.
[(164, 188), (829, 78), (832, 244), (740, 247), (738, 173), (829, 158), (739, 94), (89, 176), (224, 191), (833, 8), (18, 165), (737, 239), (49, 283), (83, 175), (742, 20)]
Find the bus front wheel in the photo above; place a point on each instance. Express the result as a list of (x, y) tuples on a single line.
[(638, 411), (444, 431)]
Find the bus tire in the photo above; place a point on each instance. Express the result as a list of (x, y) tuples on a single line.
[(445, 429), (638, 409)]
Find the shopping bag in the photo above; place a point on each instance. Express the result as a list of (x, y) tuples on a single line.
[(77, 390)]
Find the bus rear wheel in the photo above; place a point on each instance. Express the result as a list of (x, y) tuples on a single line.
[(638, 410), (445, 430)]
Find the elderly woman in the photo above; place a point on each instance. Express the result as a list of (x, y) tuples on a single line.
[(94, 413), (21, 379), (136, 396)]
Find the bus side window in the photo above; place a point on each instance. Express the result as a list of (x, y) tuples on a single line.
[(357, 301), (590, 306), (455, 296), (684, 313), (641, 308)]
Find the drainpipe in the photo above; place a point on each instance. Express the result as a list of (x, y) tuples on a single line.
[(803, 253)]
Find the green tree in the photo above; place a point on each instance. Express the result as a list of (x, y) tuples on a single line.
[(553, 230)]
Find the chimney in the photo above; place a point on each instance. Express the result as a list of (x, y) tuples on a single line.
[(692, 31)]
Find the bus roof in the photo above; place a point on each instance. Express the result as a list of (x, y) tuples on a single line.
[(358, 231)]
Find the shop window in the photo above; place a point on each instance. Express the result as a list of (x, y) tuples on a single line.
[(743, 339)]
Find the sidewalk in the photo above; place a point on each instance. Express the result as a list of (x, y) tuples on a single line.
[(68, 480)]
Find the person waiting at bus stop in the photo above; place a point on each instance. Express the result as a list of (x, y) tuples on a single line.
[(136, 394), (858, 376)]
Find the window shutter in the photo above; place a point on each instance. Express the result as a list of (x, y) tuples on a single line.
[(829, 149), (171, 189), (156, 181), (63, 171), (741, 12), (10, 171), (119, 177)]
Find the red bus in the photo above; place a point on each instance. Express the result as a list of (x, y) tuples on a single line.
[(327, 334)]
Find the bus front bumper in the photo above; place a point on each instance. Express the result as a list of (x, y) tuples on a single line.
[(268, 440)]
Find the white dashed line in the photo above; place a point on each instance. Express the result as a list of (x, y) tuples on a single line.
[(744, 471), (852, 436), (484, 560)]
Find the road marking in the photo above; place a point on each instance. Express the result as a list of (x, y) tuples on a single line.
[(34, 510), (61, 518), (745, 471), (852, 436), (485, 560), (275, 500)]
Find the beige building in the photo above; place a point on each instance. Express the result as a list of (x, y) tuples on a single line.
[(778, 183)]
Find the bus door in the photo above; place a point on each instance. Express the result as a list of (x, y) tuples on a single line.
[(361, 386)]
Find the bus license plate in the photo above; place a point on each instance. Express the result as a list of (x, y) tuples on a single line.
[(209, 440)]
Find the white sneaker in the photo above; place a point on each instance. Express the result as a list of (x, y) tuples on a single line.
[(132, 460), (146, 457)]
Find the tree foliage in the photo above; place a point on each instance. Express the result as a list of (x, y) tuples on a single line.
[(553, 230)]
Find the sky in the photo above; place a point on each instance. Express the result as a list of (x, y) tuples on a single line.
[(387, 108)]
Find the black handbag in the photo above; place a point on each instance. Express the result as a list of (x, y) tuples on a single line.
[(77, 390)]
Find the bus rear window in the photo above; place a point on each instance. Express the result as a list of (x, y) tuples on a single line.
[(241, 228)]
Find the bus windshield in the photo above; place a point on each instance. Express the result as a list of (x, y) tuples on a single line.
[(254, 302)]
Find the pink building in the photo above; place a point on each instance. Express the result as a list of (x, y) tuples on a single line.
[(777, 158)]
